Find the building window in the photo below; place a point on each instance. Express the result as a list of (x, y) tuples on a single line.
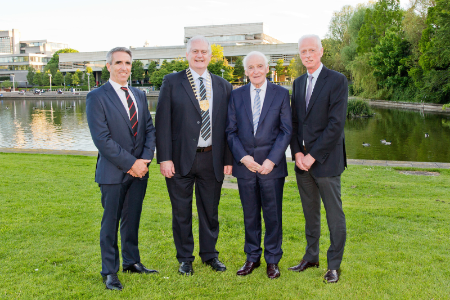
[(5, 45)]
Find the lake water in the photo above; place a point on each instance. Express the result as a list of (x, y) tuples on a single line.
[(62, 125)]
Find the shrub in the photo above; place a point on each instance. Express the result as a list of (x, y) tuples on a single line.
[(358, 108)]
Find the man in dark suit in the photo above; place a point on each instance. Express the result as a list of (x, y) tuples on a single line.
[(122, 130), (319, 108), (192, 149), (259, 131)]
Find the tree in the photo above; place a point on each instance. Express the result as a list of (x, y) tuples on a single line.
[(150, 69), (46, 78), (105, 74), (6, 84), (53, 63), (30, 75), (137, 71), (279, 68), (68, 78), (219, 63), (295, 68), (37, 79), (75, 79), (239, 70), (58, 79), (89, 77), (217, 52), (176, 65)]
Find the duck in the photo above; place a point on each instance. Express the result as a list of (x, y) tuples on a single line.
[(427, 135), (388, 143), (7, 107), (383, 141), (366, 144), (68, 107)]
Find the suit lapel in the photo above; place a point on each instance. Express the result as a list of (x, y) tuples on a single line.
[(218, 93), (270, 95), (321, 80), (302, 93), (140, 105), (190, 92), (112, 95), (247, 102)]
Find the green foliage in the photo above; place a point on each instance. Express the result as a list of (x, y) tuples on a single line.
[(137, 71), (150, 69), (58, 79), (105, 74), (53, 63), (37, 79), (68, 78), (239, 71), (279, 68), (75, 78), (176, 65), (358, 108), (215, 67), (6, 84), (30, 75), (295, 68), (46, 78)]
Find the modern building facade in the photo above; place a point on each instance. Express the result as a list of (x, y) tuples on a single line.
[(16, 55)]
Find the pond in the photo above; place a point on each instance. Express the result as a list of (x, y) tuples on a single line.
[(62, 125)]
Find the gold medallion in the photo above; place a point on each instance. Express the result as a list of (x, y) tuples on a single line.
[(204, 105)]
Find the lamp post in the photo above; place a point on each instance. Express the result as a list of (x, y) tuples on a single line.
[(50, 75), (222, 70), (89, 82), (13, 81), (64, 82)]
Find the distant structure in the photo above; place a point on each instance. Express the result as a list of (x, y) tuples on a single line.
[(236, 40), (231, 34), (17, 55)]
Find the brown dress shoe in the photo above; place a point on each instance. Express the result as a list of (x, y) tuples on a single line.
[(248, 267), (273, 271), (303, 265), (331, 276)]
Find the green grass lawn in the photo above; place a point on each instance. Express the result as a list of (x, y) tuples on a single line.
[(50, 211)]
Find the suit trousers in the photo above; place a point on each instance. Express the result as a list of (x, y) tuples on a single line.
[(311, 190), (207, 193), (121, 203), (266, 194)]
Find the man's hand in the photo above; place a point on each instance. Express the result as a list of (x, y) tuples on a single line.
[(250, 163), (139, 168), (167, 168), (307, 161), (227, 170), (299, 161), (266, 167)]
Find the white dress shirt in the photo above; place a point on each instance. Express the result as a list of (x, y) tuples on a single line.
[(201, 141), (262, 94), (122, 97), (314, 80)]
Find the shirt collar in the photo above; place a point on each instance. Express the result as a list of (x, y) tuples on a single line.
[(116, 86), (263, 87), (195, 75), (317, 72)]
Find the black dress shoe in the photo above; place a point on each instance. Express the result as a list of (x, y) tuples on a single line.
[(248, 267), (112, 282), (138, 268), (331, 276), (303, 265), (186, 268), (273, 271), (216, 264)]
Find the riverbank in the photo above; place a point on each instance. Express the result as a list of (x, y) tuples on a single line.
[(422, 106), (55, 95)]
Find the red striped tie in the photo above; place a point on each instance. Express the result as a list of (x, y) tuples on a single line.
[(132, 110)]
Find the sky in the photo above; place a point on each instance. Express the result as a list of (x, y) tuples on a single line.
[(99, 25)]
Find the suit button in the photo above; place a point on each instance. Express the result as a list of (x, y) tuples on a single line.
[(256, 147), (198, 122), (194, 140)]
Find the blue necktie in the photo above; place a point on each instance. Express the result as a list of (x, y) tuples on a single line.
[(256, 110)]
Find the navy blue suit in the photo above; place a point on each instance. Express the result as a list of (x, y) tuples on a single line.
[(270, 142), (118, 149)]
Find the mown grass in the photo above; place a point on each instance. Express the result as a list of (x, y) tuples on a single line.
[(50, 212)]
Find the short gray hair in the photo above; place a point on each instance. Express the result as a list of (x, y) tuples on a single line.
[(117, 49), (198, 38), (253, 53), (310, 36)]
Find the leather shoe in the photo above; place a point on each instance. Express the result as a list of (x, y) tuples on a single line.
[(303, 265), (248, 267), (138, 268), (331, 276), (186, 268), (112, 282), (216, 264), (273, 271)]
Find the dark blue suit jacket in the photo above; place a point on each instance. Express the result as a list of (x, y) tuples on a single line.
[(272, 136), (321, 126), (112, 135)]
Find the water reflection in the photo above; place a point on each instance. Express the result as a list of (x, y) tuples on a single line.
[(62, 125)]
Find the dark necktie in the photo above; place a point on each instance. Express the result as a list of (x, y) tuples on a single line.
[(206, 124), (132, 110)]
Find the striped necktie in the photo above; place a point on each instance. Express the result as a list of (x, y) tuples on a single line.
[(132, 110), (206, 124), (309, 90), (256, 110)]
